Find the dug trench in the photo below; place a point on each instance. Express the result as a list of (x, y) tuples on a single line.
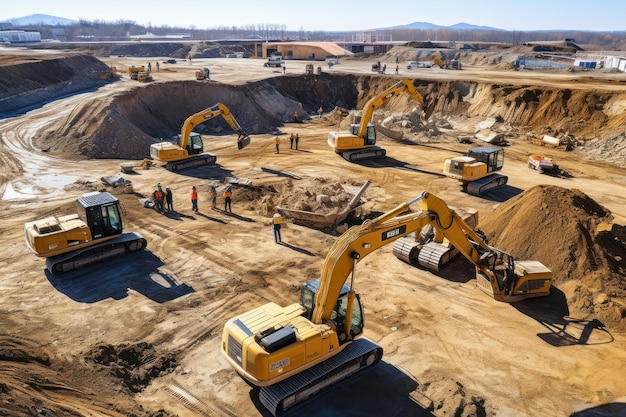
[(586, 249)]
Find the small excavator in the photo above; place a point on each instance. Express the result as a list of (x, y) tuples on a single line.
[(77, 240), (477, 169), (187, 149), (296, 351), (360, 142)]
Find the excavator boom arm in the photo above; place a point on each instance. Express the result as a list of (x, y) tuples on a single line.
[(208, 114), (360, 241), (374, 103)]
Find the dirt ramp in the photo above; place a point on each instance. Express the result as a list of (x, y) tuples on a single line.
[(574, 236)]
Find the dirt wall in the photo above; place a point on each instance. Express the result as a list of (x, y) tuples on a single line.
[(28, 83)]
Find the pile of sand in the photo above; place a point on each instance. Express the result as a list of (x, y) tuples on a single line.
[(574, 236)]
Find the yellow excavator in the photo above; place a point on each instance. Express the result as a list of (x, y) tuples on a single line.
[(477, 169), (187, 149), (360, 142), (293, 352), (91, 235)]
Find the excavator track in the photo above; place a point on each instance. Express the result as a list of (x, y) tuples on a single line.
[(121, 245), (286, 395), (372, 152), (193, 161), (431, 255), (483, 185)]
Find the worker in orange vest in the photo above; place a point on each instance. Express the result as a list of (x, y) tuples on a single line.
[(277, 140), (157, 198), (227, 195), (194, 199)]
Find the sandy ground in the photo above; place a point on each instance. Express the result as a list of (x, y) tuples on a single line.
[(448, 347)]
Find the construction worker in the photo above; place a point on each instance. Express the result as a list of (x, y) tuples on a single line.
[(213, 195), (194, 199), (295, 117), (297, 140), (169, 199), (320, 111), (277, 221), (227, 196), (291, 138), (157, 198), (277, 141)]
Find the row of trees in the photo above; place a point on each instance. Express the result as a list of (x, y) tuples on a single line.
[(122, 29)]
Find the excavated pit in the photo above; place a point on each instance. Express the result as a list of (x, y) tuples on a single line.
[(123, 126)]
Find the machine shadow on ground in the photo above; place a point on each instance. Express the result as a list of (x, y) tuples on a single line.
[(138, 271), (553, 313), (610, 409), (363, 395), (210, 172)]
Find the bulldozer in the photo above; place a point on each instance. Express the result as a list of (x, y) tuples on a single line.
[(91, 235)]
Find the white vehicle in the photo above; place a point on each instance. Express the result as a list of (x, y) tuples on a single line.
[(274, 61), (416, 64)]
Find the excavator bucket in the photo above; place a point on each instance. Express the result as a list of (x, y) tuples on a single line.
[(429, 108), (243, 142)]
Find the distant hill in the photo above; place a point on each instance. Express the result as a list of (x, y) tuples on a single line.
[(38, 19), (431, 26)]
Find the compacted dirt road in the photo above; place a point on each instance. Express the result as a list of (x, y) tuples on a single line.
[(141, 335)]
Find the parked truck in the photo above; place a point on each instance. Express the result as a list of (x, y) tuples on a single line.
[(274, 61)]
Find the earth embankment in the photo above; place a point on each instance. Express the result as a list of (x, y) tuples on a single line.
[(124, 125), (35, 81)]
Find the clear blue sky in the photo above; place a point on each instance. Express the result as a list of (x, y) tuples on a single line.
[(335, 15)]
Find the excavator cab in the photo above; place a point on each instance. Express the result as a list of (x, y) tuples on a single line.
[(195, 145), (101, 213), (370, 134), (492, 156), (339, 314)]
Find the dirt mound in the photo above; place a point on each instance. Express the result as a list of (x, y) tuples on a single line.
[(574, 236), (135, 364), (37, 384)]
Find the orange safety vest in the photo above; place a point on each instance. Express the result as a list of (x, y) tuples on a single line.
[(228, 193), (277, 140), (158, 194), (194, 194)]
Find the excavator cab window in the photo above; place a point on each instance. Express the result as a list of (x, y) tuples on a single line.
[(370, 135), (195, 145), (339, 315), (491, 156), (101, 212)]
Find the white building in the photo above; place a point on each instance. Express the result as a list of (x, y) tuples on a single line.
[(19, 36)]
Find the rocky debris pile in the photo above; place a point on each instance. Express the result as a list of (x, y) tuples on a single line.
[(318, 195), (572, 235), (135, 364)]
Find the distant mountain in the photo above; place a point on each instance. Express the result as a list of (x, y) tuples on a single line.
[(431, 26), (39, 19)]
